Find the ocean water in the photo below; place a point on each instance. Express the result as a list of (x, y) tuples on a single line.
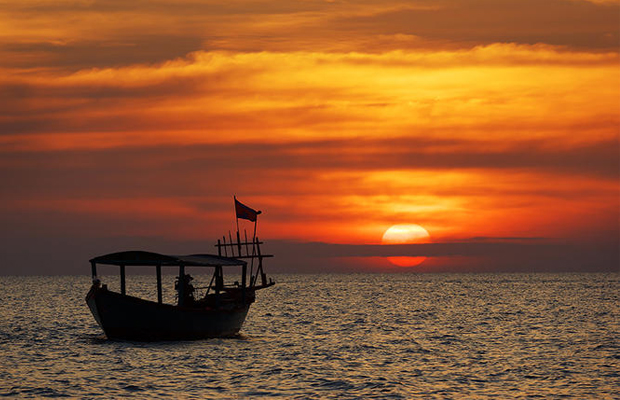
[(332, 336)]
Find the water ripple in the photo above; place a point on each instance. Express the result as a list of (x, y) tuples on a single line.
[(332, 336)]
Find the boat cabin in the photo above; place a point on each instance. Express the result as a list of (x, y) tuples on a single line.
[(217, 293)]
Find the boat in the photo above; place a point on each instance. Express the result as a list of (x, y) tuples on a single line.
[(220, 312)]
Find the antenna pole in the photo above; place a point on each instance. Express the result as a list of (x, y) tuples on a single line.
[(236, 216), (237, 228), (238, 238)]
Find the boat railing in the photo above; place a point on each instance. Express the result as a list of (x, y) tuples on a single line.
[(245, 250)]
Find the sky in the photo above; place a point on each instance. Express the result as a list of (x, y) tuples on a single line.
[(493, 124)]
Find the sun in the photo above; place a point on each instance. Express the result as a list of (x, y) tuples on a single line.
[(405, 234)]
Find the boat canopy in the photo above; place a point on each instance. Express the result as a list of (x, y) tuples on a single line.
[(146, 258)]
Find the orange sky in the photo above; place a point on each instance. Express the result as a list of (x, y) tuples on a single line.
[(474, 119)]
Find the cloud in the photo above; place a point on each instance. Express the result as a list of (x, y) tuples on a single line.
[(594, 159), (505, 90), (79, 54), (18, 256), (576, 24), (383, 160), (343, 190), (75, 35), (504, 256)]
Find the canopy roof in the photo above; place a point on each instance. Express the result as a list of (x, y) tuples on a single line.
[(146, 258)]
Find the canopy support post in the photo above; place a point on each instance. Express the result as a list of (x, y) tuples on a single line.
[(93, 269), (244, 271), (122, 279), (181, 285), (238, 242), (158, 270), (219, 284)]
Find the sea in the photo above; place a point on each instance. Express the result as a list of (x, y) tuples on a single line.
[(331, 336)]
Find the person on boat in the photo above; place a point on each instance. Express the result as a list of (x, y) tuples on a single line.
[(188, 288)]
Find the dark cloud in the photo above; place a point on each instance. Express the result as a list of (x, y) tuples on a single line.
[(115, 33), (599, 158), (180, 8), (112, 33), (577, 24), (79, 54), (520, 255), (195, 170), (60, 254)]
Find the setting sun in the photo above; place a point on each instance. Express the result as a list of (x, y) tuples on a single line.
[(406, 234)]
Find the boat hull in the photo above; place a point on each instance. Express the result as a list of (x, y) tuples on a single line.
[(130, 318)]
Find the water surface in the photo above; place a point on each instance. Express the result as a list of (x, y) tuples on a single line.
[(331, 336)]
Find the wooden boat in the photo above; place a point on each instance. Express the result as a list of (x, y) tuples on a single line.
[(219, 313)]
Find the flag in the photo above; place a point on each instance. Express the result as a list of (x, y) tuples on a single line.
[(245, 212)]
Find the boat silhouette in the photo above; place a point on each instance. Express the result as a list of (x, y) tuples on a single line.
[(220, 312)]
